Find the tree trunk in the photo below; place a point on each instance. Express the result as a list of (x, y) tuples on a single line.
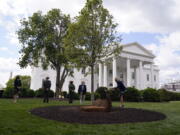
[(60, 78), (57, 82), (92, 83)]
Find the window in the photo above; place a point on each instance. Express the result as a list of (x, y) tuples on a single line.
[(133, 75), (155, 78), (110, 72), (121, 75), (83, 71), (147, 77)]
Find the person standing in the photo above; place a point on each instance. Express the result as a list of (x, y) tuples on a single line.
[(17, 87), (71, 91), (82, 92), (121, 88), (46, 87)]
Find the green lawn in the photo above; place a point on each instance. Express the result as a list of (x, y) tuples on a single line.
[(16, 120)]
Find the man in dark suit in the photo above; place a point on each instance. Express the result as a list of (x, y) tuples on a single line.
[(82, 92), (46, 87), (71, 91), (121, 88)]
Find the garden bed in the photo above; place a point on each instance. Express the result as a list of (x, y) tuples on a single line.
[(73, 114)]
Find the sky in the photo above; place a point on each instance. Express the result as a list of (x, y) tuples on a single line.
[(155, 24)]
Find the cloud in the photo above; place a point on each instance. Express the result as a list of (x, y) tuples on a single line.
[(11, 12), (4, 49), (162, 16), (132, 16), (168, 56), (150, 16), (8, 65)]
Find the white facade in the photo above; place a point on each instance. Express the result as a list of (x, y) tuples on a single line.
[(134, 66)]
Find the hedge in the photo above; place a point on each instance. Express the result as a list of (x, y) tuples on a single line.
[(8, 93), (114, 94), (40, 93), (150, 95), (132, 95)]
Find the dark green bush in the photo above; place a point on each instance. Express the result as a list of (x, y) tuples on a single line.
[(30, 93), (75, 96), (8, 93), (23, 92), (174, 96), (64, 94), (101, 92), (151, 95), (132, 94), (26, 93), (40, 93), (88, 96), (114, 94), (164, 95), (1, 93)]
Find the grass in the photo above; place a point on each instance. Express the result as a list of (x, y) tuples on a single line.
[(16, 120)]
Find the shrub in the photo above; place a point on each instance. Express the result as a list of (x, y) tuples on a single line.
[(8, 93), (174, 96), (40, 93), (75, 95), (151, 95), (164, 95), (64, 94), (1, 93), (114, 94), (23, 92), (101, 92), (88, 96), (132, 94), (30, 93)]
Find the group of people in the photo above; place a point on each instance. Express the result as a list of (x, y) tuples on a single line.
[(81, 90)]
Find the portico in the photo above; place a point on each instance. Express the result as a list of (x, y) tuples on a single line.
[(129, 66)]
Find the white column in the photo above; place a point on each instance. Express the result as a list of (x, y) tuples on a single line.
[(137, 77), (105, 75), (100, 75), (140, 75), (128, 73), (114, 71), (152, 76)]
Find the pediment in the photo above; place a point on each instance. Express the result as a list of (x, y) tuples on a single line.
[(138, 49)]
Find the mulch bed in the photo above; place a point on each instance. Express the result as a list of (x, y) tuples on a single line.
[(72, 114)]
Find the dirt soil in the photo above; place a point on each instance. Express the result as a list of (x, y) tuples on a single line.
[(73, 114)]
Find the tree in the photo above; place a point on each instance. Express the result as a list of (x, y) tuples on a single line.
[(25, 89), (25, 80), (42, 43), (92, 37)]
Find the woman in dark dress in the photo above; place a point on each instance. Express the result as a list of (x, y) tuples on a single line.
[(17, 86)]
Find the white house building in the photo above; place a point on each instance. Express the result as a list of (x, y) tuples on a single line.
[(134, 65)]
